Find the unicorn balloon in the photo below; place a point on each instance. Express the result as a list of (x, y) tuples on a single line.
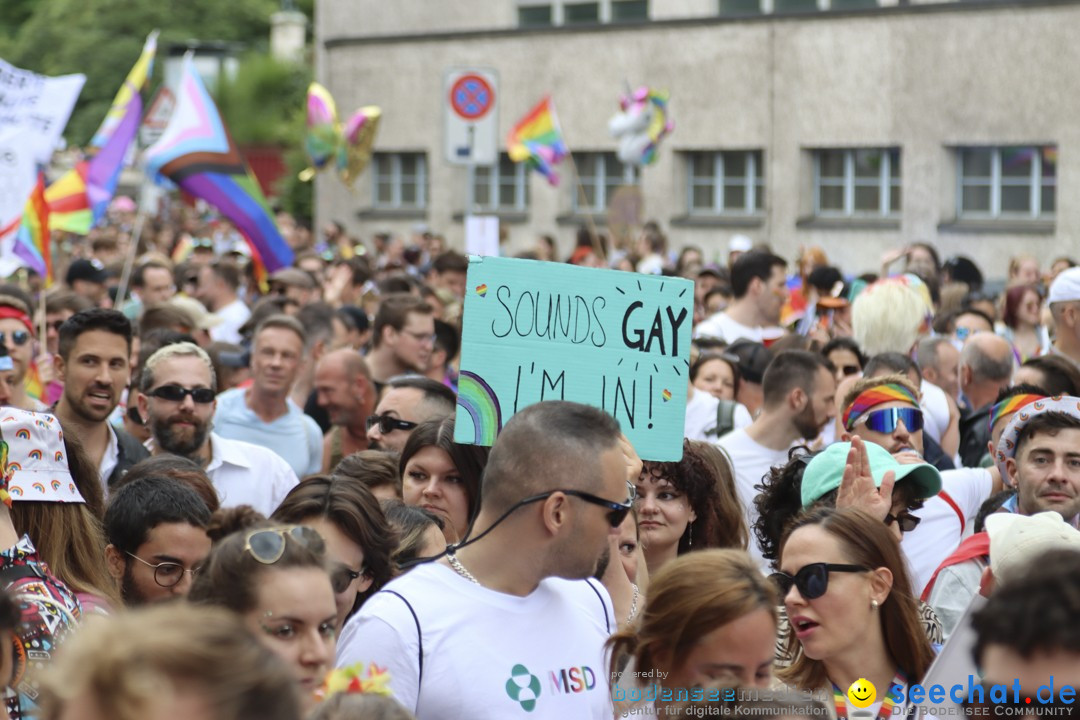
[(640, 125), (328, 143)]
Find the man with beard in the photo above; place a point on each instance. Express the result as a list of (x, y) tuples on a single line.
[(343, 388), (156, 530), (177, 398), (555, 488), (799, 389), (93, 362)]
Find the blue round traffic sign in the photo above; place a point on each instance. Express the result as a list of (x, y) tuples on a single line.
[(471, 97)]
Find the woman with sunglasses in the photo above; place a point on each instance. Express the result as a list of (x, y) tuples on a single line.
[(442, 476), (688, 505), (844, 586), (846, 357), (710, 617), (358, 539), (276, 579)]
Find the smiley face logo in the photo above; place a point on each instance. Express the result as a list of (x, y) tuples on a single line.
[(861, 694)]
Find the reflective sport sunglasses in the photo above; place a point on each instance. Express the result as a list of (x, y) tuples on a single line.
[(812, 580), (175, 393), (19, 337), (388, 424), (268, 545), (885, 421)]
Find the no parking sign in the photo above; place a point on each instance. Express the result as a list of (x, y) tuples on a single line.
[(472, 119)]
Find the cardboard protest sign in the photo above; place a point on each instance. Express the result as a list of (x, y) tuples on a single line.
[(38, 104), (536, 331)]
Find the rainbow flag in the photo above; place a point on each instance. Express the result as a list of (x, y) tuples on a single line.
[(538, 140), (197, 154), (32, 237), (79, 199)]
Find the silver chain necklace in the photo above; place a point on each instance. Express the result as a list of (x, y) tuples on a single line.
[(633, 604), (460, 569)]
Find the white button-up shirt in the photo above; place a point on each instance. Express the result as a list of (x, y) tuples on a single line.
[(246, 474)]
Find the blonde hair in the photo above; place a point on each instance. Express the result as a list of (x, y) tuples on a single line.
[(132, 663), (175, 350), (345, 706), (690, 597), (889, 316)]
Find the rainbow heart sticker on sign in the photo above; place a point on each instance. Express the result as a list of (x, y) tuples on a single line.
[(481, 290)]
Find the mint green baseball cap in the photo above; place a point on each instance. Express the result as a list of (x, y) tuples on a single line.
[(825, 470)]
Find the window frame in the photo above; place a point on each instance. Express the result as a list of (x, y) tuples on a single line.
[(494, 181), (848, 183), (753, 183), (600, 182), (996, 182), (558, 12), (395, 178)]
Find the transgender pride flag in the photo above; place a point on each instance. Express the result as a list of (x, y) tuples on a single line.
[(197, 154)]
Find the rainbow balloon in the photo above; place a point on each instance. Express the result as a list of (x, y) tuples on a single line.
[(477, 398)]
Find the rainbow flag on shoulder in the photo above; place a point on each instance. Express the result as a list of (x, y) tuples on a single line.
[(538, 140)]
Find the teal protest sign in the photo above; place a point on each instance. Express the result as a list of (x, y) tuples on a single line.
[(536, 331)]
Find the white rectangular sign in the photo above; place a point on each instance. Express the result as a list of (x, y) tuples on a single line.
[(471, 111)]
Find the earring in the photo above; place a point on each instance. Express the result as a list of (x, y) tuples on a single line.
[(874, 604), (690, 535)]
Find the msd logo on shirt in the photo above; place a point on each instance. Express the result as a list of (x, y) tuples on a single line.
[(524, 688)]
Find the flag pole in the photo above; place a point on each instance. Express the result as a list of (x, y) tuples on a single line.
[(598, 248), (129, 261)]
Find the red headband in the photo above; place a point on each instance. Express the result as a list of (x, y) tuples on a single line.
[(6, 311)]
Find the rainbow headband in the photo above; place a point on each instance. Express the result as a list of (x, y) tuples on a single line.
[(877, 395), (1010, 405)]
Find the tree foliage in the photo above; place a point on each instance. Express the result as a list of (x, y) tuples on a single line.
[(103, 38)]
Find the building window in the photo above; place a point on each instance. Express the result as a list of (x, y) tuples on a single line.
[(857, 183), (600, 175), (534, 16), (400, 180), (535, 13), (723, 183), (502, 187), (1007, 182)]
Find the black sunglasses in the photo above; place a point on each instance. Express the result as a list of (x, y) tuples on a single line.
[(388, 424), (19, 337), (342, 577), (904, 520), (812, 580), (175, 393), (617, 511)]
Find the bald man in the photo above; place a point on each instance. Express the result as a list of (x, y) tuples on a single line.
[(344, 389), (986, 366)]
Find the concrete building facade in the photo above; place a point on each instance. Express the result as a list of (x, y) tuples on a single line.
[(804, 122)]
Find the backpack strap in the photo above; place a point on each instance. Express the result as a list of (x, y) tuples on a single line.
[(725, 418), (607, 621), (419, 637)]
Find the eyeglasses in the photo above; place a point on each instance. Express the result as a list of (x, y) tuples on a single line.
[(904, 520), (617, 511), (342, 577), (175, 393), (19, 337), (167, 574), (388, 424), (421, 337), (885, 421), (268, 545), (812, 580)]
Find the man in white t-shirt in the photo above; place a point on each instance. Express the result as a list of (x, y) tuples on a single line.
[(799, 387), (759, 286), (219, 287), (885, 410), (509, 623)]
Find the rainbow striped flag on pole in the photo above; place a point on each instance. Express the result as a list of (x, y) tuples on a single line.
[(196, 153), (32, 237), (538, 140)]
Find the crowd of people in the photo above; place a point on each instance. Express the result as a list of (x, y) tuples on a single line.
[(232, 496)]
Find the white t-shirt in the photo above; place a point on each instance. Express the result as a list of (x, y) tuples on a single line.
[(233, 316), (701, 416), (721, 325), (110, 459), (487, 655), (751, 463), (935, 407), (939, 532)]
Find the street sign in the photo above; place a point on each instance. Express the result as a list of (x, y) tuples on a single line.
[(471, 116), (157, 117)]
